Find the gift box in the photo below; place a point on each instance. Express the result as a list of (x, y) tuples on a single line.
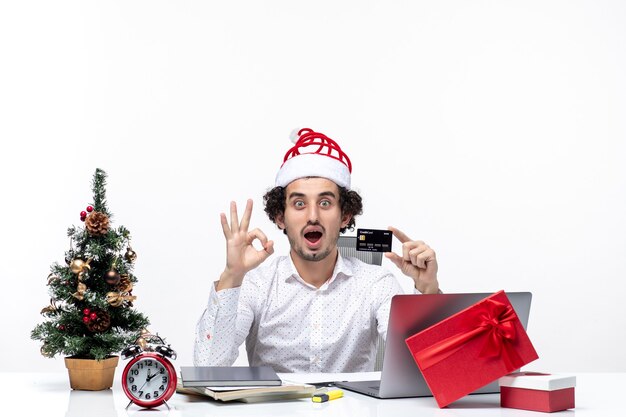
[(471, 348), (537, 392)]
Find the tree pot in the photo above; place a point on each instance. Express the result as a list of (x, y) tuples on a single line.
[(91, 374)]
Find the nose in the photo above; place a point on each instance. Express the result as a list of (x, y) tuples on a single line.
[(312, 213)]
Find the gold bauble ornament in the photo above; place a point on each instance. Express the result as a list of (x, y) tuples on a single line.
[(141, 340), (142, 343), (45, 352), (78, 265), (130, 255)]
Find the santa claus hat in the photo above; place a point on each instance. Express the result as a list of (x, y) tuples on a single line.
[(314, 155)]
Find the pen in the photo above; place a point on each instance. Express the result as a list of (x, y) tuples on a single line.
[(330, 395)]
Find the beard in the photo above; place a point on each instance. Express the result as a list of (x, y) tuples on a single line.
[(313, 256)]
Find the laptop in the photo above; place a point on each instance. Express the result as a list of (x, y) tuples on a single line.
[(409, 314)]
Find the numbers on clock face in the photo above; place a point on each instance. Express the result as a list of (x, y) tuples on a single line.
[(147, 379)]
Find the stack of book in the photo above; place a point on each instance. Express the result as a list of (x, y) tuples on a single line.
[(239, 383)]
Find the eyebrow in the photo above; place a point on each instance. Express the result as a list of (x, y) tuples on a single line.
[(296, 194)]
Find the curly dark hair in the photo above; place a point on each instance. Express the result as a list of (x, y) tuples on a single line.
[(349, 200)]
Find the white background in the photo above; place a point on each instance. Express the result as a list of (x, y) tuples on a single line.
[(493, 130)]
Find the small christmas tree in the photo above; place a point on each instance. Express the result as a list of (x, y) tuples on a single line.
[(91, 312)]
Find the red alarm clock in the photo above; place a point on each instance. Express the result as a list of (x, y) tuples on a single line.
[(149, 379)]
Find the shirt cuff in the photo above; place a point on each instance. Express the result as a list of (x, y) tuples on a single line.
[(225, 301), (416, 291)]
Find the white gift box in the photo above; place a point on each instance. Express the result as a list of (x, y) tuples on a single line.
[(537, 391)]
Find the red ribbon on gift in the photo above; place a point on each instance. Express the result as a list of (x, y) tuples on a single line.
[(490, 320)]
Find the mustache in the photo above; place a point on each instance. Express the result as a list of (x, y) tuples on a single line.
[(310, 223)]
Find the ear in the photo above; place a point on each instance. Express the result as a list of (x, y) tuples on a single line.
[(345, 219), (280, 221)]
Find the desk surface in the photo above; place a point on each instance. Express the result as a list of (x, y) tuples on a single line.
[(49, 394)]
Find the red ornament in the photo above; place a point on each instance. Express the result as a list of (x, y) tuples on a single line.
[(61, 327), (89, 209), (83, 214), (93, 316), (86, 319), (86, 312)]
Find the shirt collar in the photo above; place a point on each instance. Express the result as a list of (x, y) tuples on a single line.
[(342, 269)]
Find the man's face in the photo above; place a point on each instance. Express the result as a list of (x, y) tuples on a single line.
[(312, 217)]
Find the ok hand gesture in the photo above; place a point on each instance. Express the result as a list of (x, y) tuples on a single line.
[(241, 256)]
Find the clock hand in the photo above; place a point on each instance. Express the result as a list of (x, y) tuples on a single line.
[(148, 378), (141, 387)]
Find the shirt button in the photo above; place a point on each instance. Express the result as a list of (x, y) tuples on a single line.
[(208, 336)]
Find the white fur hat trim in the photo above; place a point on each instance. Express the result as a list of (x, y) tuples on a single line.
[(313, 165)]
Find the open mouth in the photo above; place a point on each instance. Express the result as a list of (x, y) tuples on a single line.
[(313, 237)]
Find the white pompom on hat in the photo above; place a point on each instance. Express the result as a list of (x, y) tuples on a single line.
[(303, 160)]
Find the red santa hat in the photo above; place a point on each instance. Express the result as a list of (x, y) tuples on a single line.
[(314, 155)]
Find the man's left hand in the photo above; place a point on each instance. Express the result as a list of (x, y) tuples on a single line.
[(418, 261)]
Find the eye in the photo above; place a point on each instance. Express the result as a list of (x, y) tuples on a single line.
[(298, 204), (325, 203)]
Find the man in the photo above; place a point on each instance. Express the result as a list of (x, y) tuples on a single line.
[(314, 310)]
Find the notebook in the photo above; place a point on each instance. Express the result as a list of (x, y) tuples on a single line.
[(409, 314), (286, 391), (228, 376)]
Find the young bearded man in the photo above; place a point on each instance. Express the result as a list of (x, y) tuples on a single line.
[(313, 310)]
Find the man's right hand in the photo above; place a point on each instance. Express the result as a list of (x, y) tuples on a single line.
[(241, 256)]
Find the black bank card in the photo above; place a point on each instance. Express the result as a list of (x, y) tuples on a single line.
[(373, 240)]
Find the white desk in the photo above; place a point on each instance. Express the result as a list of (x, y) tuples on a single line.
[(49, 395)]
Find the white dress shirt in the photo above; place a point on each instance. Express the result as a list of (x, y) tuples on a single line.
[(295, 327)]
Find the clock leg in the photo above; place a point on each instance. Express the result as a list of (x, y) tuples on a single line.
[(167, 405), (129, 403)]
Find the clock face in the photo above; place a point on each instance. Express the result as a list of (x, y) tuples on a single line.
[(149, 380)]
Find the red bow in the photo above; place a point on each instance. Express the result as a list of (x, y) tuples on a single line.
[(492, 321)]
